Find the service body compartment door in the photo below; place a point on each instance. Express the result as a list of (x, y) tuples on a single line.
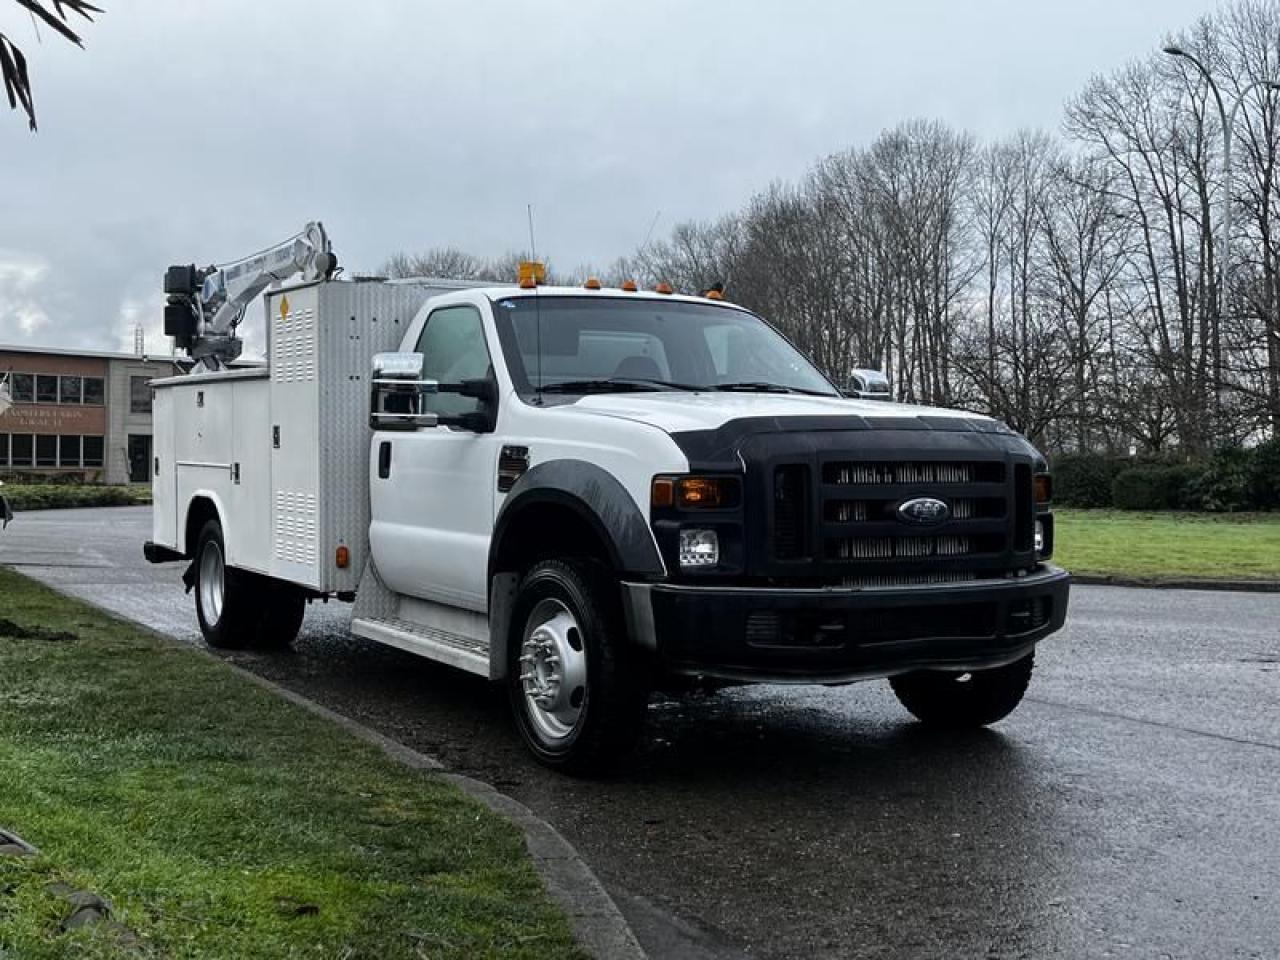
[(164, 514), (294, 436), (249, 496)]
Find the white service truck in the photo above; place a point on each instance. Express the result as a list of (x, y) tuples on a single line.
[(582, 493)]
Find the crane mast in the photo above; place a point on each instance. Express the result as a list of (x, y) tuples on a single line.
[(205, 306)]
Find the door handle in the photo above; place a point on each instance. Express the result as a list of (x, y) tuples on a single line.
[(384, 459)]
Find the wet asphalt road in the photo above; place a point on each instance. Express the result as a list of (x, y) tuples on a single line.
[(1129, 808)]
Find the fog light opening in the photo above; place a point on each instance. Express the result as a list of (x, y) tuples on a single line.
[(699, 548)]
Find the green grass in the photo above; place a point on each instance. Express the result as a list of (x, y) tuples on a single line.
[(1169, 545), (222, 821), (48, 496)]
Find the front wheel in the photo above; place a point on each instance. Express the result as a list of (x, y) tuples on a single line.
[(970, 699), (577, 690)]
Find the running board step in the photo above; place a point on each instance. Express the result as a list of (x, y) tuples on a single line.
[(466, 653)]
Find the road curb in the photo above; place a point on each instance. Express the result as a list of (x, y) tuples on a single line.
[(598, 925), (1141, 583)]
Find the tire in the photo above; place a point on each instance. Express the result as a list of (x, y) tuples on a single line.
[(578, 691), (225, 598), (281, 607), (964, 700)]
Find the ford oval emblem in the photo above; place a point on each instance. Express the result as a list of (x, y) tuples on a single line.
[(923, 511)]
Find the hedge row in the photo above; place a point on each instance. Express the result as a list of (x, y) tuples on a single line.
[(52, 496), (1231, 480), (57, 479)]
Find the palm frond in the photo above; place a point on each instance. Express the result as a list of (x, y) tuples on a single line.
[(13, 65)]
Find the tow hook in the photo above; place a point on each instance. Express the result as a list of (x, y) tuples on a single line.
[(189, 576)]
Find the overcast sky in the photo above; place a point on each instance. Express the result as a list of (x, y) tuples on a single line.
[(204, 131)]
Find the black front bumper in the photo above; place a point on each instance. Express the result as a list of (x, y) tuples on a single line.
[(832, 635)]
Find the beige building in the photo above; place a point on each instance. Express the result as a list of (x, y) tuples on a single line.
[(78, 412)]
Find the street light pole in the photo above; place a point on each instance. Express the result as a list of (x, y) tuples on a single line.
[(1228, 120)]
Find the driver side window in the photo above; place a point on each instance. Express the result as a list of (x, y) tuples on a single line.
[(453, 349)]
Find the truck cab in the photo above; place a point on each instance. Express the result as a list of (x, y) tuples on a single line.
[(584, 493)]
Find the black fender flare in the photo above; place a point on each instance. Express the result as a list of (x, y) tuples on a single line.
[(599, 499), (602, 502)]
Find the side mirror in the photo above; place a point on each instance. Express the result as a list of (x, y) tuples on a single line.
[(868, 385), (396, 393)]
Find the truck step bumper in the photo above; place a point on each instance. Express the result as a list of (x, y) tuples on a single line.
[(837, 635)]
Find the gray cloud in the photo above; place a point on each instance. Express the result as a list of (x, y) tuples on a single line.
[(203, 131)]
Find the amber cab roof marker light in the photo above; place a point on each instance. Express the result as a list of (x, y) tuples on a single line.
[(593, 283), (530, 273), (663, 287), (630, 286)]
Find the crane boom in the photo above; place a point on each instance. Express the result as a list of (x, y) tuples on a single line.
[(205, 306)]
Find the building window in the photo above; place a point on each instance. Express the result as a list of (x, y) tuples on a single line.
[(4, 449), (24, 388), (68, 450), (46, 389), (22, 448), (92, 451), (139, 395), (70, 390), (93, 391), (46, 450)]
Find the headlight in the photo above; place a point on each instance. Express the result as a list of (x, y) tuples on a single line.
[(699, 548), (697, 493)]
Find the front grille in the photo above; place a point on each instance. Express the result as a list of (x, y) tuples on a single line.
[(859, 511), (840, 517), (859, 549), (852, 473), (790, 511)]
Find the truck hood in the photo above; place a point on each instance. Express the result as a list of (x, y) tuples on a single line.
[(682, 412)]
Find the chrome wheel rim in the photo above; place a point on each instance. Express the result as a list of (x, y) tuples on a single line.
[(553, 671), (212, 582)]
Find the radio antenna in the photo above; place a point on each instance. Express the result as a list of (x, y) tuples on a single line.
[(537, 302), (533, 247), (652, 223)]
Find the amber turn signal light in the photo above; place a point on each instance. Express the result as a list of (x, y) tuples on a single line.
[(663, 493), (695, 493), (1043, 486)]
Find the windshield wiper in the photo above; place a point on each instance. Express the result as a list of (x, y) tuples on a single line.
[(764, 386), (605, 385)]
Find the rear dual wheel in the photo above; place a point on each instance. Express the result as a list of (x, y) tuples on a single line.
[(239, 610)]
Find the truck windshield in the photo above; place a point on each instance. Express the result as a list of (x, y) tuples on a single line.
[(600, 344)]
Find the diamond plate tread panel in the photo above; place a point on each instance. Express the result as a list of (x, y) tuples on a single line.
[(374, 599), (442, 637)]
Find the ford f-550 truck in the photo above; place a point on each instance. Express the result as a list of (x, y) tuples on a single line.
[(582, 492)]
